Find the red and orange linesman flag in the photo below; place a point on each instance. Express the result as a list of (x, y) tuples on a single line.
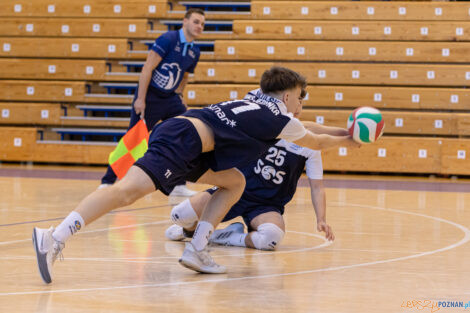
[(130, 148)]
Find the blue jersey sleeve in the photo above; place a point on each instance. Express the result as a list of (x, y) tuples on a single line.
[(162, 44)]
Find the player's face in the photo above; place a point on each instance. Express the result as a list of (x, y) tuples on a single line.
[(194, 25), (293, 101)]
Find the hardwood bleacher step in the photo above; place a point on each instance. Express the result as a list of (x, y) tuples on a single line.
[(85, 8), (86, 133), (75, 142), (92, 121), (130, 87), (352, 30), (361, 10), (108, 98)]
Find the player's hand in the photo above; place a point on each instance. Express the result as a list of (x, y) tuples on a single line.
[(343, 132), (139, 107), (182, 100), (351, 143), (324, 227)]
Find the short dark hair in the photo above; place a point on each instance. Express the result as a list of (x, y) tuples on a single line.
[(278, 79), (193, 10)]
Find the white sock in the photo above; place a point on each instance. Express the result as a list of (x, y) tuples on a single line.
[(237, 240), (201, 235), (184, 215), (69, 226)]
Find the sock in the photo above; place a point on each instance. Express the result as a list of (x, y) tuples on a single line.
[(184, 215), (69, 226), (201, 235), (237, 240)]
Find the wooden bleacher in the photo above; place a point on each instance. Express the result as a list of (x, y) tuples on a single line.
[(413, 99), (352, 30), (84, 8), (371, 51), (37, 90), (360, 10), (91, 48), (75, 27), (52, 69), (246, 72), (322, 73), (71, 68)]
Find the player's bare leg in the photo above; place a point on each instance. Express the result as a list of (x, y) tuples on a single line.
[(231, 184), (48, 243)]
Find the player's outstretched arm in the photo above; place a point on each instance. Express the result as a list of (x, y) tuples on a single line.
[(323, 129), (317, 192), (324, 141)]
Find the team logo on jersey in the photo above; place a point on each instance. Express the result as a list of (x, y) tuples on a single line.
[(268, 172), (168, 76), (191, 54), (78, 226)]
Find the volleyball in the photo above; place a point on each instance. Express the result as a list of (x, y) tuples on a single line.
[(366, 124)]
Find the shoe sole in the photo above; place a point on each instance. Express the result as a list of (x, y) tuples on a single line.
[(46, 278), (191, 266), (196, 268)]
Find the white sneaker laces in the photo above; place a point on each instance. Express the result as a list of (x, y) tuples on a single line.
[(58, 246), (206, 257)]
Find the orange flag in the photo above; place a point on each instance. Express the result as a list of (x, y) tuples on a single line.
[(130, 148)]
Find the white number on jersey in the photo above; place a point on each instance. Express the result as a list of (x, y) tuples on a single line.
[(250, 106), (268, 172), (277, 154)]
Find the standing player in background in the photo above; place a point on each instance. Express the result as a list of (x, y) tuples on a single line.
[(204, 145), (159, 94), (271, 182)]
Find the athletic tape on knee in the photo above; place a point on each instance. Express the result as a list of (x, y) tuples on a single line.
[(184, 215), (267, 237)]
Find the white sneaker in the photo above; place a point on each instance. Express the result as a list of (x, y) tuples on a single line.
[(103, 186), (221, 236), (175, 233), (200, 261), (178, 233), (182, 191), (47, 250)]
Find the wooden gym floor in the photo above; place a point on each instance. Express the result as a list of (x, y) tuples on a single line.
[(399, 242)]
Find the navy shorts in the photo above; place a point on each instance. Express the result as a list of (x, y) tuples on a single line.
[(247, 209), (174, 154), (158, 107)]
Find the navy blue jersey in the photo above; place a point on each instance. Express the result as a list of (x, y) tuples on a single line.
[(272, 179), (178, 57), (245, 129)]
